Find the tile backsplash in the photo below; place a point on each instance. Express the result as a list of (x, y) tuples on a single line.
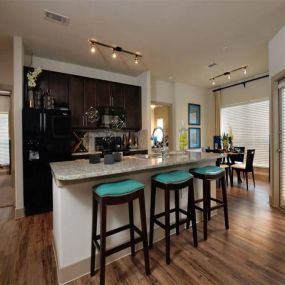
[(89, 138)]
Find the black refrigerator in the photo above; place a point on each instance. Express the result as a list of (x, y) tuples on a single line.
[(46, 138)]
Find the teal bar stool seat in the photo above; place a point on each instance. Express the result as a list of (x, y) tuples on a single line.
[(172, 181), (115, 193), (208, 174)]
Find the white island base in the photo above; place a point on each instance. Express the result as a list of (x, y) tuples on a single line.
[(72, 206)]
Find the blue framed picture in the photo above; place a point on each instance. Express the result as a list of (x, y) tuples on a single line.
[(194, 138), (194, 114)]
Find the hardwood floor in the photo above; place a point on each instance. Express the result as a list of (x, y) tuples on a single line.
[(251, 252)]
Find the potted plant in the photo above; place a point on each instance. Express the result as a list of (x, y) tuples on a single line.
[(32, 83)]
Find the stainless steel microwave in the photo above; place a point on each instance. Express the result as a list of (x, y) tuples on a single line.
[(113, 118)]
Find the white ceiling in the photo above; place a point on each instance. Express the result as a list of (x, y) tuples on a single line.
[(176, 38)]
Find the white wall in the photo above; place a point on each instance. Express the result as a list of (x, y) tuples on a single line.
[(185, 94), (80, 70), (17, 123), (162, 91), (255, 90), (276, 53), (4, 103), (6, 60)]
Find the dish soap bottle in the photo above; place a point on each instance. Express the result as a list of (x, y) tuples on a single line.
[(183, 137)]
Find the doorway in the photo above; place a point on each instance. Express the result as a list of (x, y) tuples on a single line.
[(6, 190), (161, 116)]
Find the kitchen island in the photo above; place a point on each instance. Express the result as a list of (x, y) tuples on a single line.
[(72, 203)]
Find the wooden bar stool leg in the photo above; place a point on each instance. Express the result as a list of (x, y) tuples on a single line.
[(152, 212), (144, 232), (189, 206), (94, 231), (193, 212), (167, 227), (225, 202), (205, 209), (227, 175), (208, 185), (103, 243), (177, 211), (132, 234)]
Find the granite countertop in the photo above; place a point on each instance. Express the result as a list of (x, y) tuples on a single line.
[(82, 169)]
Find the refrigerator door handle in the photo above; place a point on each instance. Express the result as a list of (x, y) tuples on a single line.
[(44, 122), (41, 122)]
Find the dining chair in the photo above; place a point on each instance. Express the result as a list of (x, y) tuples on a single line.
[(244, 168)]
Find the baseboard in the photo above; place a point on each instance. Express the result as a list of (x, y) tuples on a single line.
[(81, 268), (19, 213)]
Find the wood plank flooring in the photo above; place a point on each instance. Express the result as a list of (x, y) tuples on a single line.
[(251, 252)]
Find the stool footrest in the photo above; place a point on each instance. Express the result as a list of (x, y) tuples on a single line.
[(122, 246), (115, 231), (217, 200), (180, 222), (162, 214)]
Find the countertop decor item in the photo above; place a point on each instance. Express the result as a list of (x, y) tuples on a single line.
[(109, 159), (94, 158)]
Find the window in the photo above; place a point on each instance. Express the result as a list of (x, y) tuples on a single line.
[(4, 139), (159, 122), (250, 125)]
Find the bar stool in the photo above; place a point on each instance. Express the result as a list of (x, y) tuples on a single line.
[(207, 174), (115, 193), (174, 180)]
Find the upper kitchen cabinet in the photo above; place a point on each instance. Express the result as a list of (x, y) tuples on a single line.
[(117, 95), (59, 87), (76, 100), (103, 93), (133, 107), (90, 98)]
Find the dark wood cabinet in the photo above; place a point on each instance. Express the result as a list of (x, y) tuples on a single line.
[(81, 93), (59, 87), (103, 93), (133, 107), (117, 95), (90, 98), (76, 100)]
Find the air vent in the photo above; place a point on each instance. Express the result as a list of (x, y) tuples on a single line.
[(56, 17), (212, 65)]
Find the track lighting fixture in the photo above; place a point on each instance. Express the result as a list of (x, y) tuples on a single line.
[(136, 60), (229, 73), (115, 50), (93, 48), (114, 54)]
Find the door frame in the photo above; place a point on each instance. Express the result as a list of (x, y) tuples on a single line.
[(274, 196)]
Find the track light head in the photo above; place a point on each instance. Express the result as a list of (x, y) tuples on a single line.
[(213, 82), (244, 70), (136, 60), (114, 54), (93, 48)]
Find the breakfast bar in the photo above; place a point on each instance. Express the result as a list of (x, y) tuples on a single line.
[(72, 203)]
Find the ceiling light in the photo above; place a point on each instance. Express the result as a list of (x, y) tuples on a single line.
[(244, 71), (213, 82), (93, 48), (115, 50), (152, 106), (114, 54), (229, 76)]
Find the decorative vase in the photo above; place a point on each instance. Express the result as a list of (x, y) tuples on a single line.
[(31, 103), (38, 99)]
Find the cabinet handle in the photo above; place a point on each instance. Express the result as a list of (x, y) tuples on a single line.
[(83, 120)]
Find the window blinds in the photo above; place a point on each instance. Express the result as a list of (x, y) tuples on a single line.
[(4, 139), (282, 145), (250, 125)]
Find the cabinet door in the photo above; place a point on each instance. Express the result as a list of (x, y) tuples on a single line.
[(59, 87), (103, 93), (89, 97), (118, 96), (133, 107), (76, 100)]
